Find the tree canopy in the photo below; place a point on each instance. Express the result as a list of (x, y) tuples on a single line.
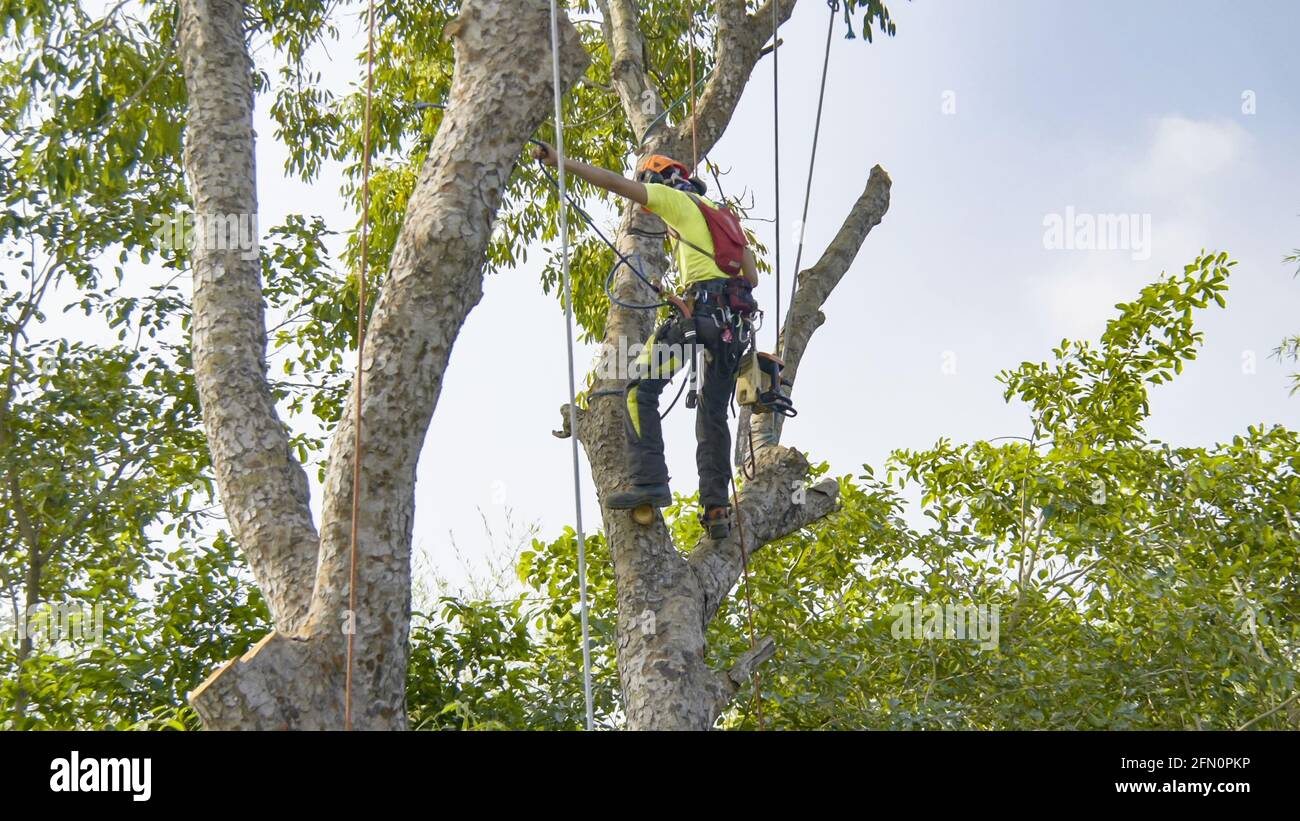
[(1137, 583)]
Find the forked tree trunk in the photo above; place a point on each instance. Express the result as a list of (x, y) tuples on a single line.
[(501, 92), (667, 597)]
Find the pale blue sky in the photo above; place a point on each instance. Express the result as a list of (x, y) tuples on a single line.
[(1106, 107)]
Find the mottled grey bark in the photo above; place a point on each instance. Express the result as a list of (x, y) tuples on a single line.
[(620, 23), (666, 598), (501, 93), (262, 487), (740, 45)]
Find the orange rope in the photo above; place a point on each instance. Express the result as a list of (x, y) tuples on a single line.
[(361, 347)]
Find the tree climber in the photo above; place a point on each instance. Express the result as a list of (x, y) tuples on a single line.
[(717, 323)]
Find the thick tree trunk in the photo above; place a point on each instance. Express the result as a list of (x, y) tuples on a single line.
[(263, 489), (501, 92)]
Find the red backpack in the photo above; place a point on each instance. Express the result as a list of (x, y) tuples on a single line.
[(729, 240)]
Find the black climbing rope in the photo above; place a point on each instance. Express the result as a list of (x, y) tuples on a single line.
[(812, 160)]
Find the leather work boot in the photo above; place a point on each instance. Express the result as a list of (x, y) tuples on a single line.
[(653, 495), (717, 521)]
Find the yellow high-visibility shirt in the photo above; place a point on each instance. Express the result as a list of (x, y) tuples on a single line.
[(679, 211)]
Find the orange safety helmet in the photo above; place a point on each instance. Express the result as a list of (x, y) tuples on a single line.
[(664, 167), (656, 168)]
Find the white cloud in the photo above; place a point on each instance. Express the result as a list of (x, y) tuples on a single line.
[(1174, 180), (1186, 155)]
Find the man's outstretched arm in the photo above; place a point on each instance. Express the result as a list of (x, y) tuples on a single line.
[(624, 187), (600, 177)]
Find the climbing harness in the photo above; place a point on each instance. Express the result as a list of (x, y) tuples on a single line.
[(573, 407), (361, 349)]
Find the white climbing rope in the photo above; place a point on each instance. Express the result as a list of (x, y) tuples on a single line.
[(568, 326)]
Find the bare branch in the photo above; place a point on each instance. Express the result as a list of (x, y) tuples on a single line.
[(566, 428), (817, 282), (748, 662), (742, 671)]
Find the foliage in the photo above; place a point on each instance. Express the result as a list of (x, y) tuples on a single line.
[(200, 611), (1138, 584), (104, 474), (510, 663), (1289, 349)]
